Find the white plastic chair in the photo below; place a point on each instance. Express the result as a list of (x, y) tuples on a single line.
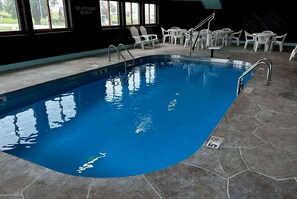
[(187, 37), (293, 53), (149, 37), (236, 36), (278, 40), (218, 38), (227, 35), (205, 38), (262, 39), (178, 35), (268, 31), (139, 40), (171, 32), (226, 29), (166, 34), (249, 38)]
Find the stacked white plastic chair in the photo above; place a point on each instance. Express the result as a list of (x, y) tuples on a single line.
[(178, 35), (227, 35), (187, 37), (262, 39), (218, 38), (205, 38)]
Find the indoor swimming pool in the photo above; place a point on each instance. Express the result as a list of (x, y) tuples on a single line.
[(157, 114)]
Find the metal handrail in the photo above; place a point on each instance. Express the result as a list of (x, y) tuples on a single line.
[(207, 19), (112, 46), (127, 51), (119, 53), (264, 61)]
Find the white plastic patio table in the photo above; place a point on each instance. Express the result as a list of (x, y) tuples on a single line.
[(226, 34), (172, 30)]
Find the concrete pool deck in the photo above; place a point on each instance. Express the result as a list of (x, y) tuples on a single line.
[(257, 158)]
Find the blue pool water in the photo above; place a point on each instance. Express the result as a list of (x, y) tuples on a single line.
[(157, 115)]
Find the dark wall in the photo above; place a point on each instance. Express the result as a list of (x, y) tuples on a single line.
[(86, 33), (249, 15)]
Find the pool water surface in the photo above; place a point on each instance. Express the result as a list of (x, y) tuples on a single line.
[(156, 115)]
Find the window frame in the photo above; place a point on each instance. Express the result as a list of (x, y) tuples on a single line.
[(26, 25), (20, 19), (155, 11), (110, 26), (50, 28), (131, 11)]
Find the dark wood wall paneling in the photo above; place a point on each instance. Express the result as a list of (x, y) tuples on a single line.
[(87, 34)]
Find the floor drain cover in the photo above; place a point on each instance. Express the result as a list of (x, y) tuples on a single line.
[(214, 142)]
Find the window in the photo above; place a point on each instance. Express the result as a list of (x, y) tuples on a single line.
[(48, 14), (109, 13), (150, 13), (132, 13), (9, 19)]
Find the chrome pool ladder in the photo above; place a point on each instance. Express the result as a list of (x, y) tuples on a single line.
[(264, 61), (120, 54)]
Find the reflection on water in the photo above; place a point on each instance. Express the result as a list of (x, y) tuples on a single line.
[(134, 81), (89, 164), (114, 86), (150, 74), (143, 123), (172, 104), (21, 128), (60, 110), (114, 90), (18, 129), (208, 72)]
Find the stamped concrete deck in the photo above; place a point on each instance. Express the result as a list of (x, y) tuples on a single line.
[(257, 158)]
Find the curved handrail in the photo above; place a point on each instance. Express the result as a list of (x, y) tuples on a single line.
[(264, 61), (127, 51), (112, 46), (208, 19), (119, 53)]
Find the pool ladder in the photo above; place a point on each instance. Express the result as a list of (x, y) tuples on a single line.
[(120, 54), (264, 61)]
